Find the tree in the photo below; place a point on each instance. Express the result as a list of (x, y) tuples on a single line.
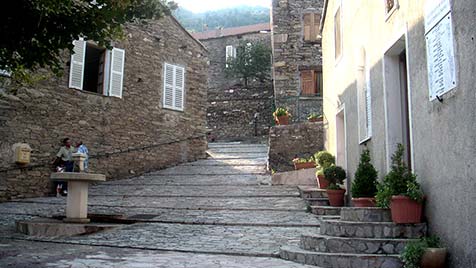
[(35, 32), (252, 61)]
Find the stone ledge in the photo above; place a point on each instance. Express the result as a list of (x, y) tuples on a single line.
[(340, 260), (322, 243), (325, 210), (57, 228), (372, 229), (311, 192), (366, 214)]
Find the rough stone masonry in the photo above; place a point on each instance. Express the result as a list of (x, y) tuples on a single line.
[(125, 136)]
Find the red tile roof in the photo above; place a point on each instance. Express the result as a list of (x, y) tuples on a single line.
[(232, 31)]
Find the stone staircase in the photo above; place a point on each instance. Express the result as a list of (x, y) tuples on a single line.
[(313, 196), (362, 237)]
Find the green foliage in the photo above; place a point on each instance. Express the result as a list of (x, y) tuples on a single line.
[(333, 187), (334, 174), (280, 112), (303, 160), (414, 250), (365, 182), (324, 159), (399, 181), (252, 61), (313, 116), (226, 18), (35, 32)]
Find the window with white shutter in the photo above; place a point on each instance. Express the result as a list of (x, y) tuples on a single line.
[(230, 53), (174, 87), (76, 73), (117, 72), (364, 103)]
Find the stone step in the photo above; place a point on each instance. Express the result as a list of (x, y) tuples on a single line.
[(325, 210), (366, 214), (372, 229), (322, 243), (317, 201), (339, 260), (311, 192)]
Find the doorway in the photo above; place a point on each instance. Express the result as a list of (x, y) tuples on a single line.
[(397, 101)]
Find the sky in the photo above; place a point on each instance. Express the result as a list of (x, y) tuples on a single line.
[(206, 5)]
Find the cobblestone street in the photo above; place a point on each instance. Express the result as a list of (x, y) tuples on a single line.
[(218, 212)]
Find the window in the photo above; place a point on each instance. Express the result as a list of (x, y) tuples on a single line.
[(97, 69), (174, 87), (338, 33), (311, 27), (229, 54), (311, 82), (365, 104)]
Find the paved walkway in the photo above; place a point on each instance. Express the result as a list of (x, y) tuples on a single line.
[(218, 212)]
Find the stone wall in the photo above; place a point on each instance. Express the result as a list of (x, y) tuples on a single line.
[(291, 53), (232, 106), (240, 113), (125, 136), (296, 140)]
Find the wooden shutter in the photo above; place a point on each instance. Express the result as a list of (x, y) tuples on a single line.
[(337, 34), (179, 88), (76, 74), (169, 86), (117, 72), (311, 26), (308, 83)]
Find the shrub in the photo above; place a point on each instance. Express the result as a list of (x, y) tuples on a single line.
[(399, 181), (335, 175), (281, 112), (365, 182), (313, 116), (324, 159), (414, 250)]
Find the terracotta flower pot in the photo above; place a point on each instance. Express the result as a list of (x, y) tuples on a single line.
[(336, 197), (364, 202), (305, 165), (433, 258), (322, 182), (405, 210), (282, 120)]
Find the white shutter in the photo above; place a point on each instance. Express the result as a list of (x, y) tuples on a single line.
[(179, 88), (117, 72), (368, 102), (169, 86), (76, 72)]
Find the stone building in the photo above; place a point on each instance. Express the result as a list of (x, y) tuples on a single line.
[(402, 71), (297, 63), (138, 107), (236, 111)]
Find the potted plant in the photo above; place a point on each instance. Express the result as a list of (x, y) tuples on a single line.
[(336, 176), (364, 185), (281, 116), (323, 159), (426, 252), (401, 192), (313, 117), (304, 163)]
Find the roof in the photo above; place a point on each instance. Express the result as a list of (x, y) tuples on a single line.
[(187, 32), (232, 31)]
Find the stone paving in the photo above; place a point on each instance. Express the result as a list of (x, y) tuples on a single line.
[(219, 212)]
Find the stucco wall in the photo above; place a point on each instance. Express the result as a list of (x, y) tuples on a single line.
[(125, 136), (443, 134), (290, 52)]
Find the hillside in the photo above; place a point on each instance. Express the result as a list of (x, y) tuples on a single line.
[(226, 18)]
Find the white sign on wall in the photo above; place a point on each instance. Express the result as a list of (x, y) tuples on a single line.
[(440, 48)]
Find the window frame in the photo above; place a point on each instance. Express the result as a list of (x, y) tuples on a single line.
[(389, 13), (339, 56), (316, 73), (174, 69)]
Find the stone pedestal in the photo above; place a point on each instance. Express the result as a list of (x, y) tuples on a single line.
[(77, 201)]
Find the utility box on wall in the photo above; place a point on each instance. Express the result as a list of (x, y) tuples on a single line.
[(22, 153)]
